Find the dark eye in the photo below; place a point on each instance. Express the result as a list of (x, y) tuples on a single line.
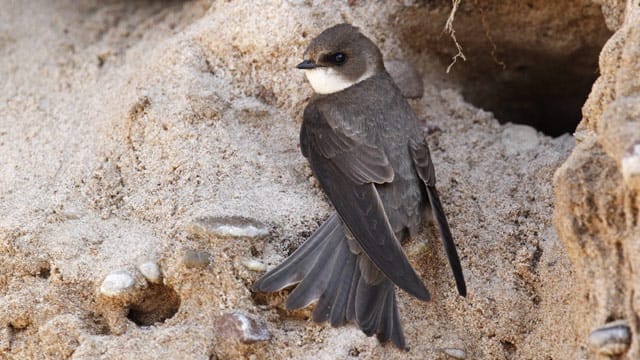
[(339, 58)]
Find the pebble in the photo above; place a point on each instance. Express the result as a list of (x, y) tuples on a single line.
[(254, 264), (229, 226), (611, 339), (196, 259), (151, 271), (631, 162), (238, 326), (117, 283), (455, 353)]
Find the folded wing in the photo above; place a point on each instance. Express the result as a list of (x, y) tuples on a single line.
[(348, 167), (424, 166)]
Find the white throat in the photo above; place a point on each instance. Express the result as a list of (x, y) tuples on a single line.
[(325, 80)]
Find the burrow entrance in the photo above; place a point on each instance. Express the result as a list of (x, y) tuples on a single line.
[(160, 303), (528, 62)]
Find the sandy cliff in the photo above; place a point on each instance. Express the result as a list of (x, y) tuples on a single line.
[(150, 169)]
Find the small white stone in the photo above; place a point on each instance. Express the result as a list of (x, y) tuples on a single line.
[(518, 138), (151, 271), (254, 264), (455, 353), (631, 162), (229, 226), (241, 231), (611, 339), (117, 283)]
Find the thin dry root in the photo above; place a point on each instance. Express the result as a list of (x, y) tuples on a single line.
[(448, 27)]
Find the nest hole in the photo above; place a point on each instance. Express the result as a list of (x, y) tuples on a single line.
[(528, 62), (44, 270), (159, 304), (508, 349)]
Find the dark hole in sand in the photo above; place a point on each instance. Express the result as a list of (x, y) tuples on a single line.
[(528, 62), (545, 91), (159, 304)]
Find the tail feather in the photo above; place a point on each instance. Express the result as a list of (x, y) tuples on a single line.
[(376, 312), (385, 321), (315, 282), (339, 310), (351, 303), (327, 270), (370, 302), (367, 306), (295, 268), (397, 335), (336, 293)]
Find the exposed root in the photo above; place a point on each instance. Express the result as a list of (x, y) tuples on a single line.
[(448, 27), (487, 34)]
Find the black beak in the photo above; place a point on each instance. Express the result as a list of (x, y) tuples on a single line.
[(306, 65)]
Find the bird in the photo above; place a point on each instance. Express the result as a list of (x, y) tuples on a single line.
[(366, 148)]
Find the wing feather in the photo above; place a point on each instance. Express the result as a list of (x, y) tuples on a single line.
[(425, 169), (348, 178)]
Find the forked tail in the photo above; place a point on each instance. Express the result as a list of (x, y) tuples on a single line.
[(329, 272)]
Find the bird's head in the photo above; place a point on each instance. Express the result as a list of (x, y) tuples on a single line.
[(340, 57)]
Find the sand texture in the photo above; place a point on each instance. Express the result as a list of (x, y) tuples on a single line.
[(150, 172)]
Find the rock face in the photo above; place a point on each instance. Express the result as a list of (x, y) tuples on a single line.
[(132, 132), (598, 190)]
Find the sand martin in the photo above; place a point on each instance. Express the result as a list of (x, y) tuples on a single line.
[(369, 154)]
